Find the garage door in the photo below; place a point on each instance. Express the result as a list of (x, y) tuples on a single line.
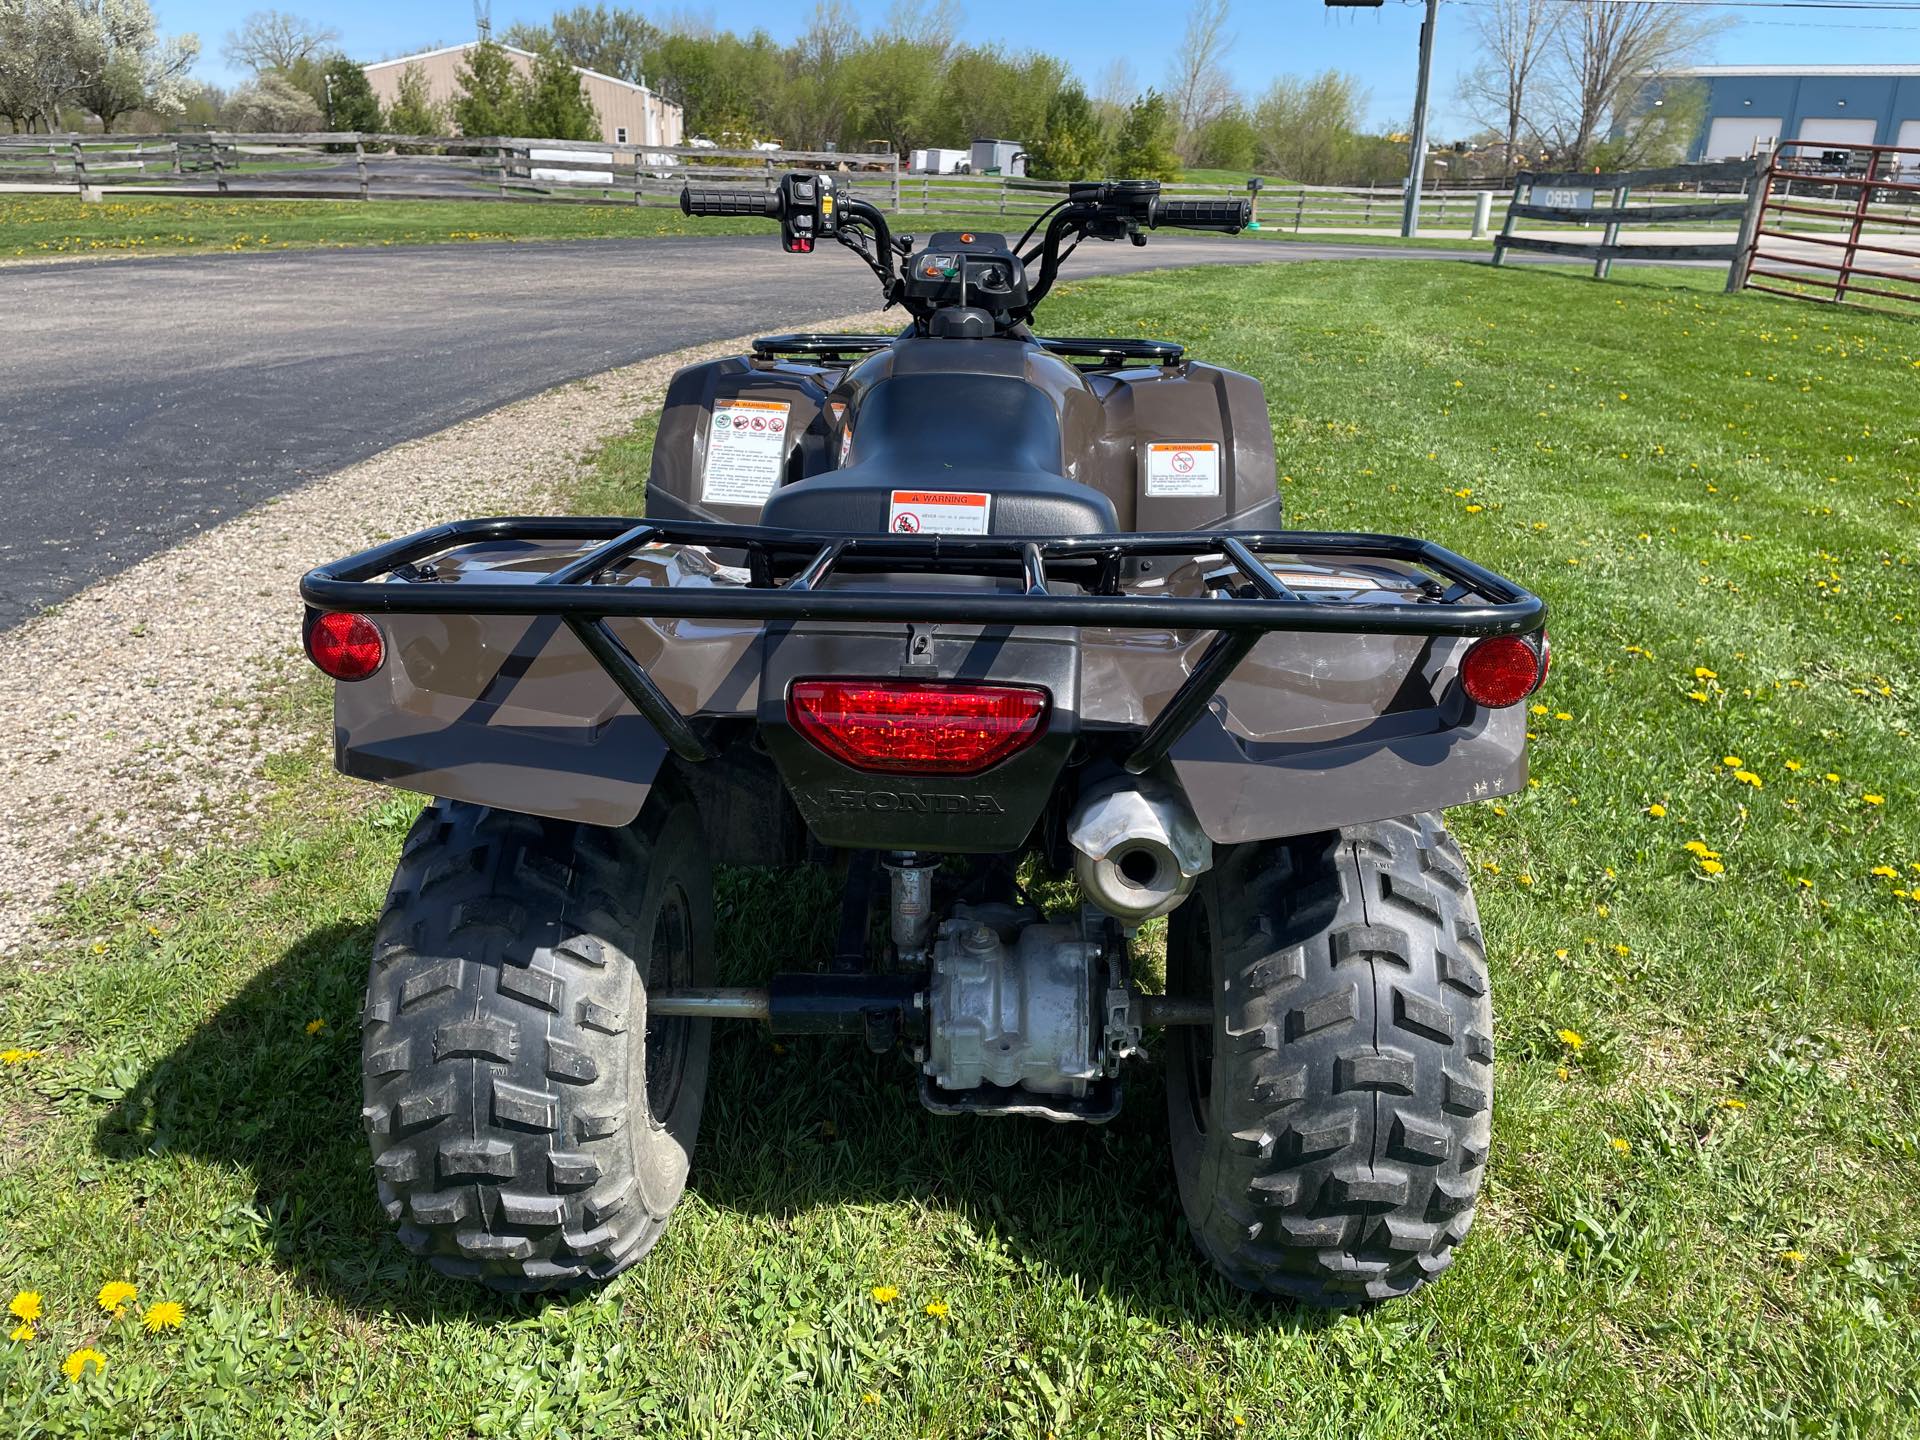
[(1837, 131), (1734, 137), (1910, 136)]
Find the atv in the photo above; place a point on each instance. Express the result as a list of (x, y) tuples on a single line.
[(961, 612)]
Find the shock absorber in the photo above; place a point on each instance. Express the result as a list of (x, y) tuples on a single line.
[(911, 924)]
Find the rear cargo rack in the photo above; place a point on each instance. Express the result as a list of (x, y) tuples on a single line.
[(788, 572)]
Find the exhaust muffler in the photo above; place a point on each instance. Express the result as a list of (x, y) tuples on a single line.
[(1137, 848)]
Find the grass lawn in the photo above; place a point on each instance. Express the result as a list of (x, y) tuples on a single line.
[(1700, 1213), (47, 226)]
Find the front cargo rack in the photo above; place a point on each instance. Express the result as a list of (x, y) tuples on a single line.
[(789, 571), (1097, 353)]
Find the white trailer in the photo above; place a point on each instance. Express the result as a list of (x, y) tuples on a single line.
[(1002, 157)]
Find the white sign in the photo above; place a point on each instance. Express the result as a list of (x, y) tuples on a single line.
[(1561, 198), (938, 512), (1183, 468), (746, 451)]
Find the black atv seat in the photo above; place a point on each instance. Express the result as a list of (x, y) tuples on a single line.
[(979, 434)]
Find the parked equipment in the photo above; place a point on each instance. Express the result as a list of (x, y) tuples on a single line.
[(957, 610)]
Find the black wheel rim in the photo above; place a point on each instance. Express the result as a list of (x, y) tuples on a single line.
[(669, 967)]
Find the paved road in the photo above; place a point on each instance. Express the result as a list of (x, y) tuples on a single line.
[(141, 400)]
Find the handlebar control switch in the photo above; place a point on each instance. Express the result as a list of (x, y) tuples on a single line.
[(808, 212)]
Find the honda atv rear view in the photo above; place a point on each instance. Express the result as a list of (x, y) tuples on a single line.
[(954, 611)]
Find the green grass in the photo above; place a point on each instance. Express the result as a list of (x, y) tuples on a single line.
[(1697, 484)]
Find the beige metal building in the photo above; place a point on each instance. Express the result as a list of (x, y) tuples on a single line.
[(629, 114)]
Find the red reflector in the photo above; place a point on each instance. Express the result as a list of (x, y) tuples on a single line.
[(1501, 670), (347, 647), (920, 727)]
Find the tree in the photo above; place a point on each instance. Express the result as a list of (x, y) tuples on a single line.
[(490, 100), (817, 95), (414, 111), (988, 94), (1197, 82), (553, 104), (1144, 149), (725, 86), (1308, 129), (1229, 141), (1516, 37), (614, 41), (895, 83), (273, 104), (274, 40), (1660, 132), (105, 55), (351, 103), (1608, 58), (1073, 146)]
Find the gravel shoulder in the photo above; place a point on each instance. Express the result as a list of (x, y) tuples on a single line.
[(144, 706)]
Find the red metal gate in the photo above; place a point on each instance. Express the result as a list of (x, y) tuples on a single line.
[(1839, 223)]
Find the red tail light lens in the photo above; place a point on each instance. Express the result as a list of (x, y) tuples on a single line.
[(1502, 670), (345, 646), (917, 727)]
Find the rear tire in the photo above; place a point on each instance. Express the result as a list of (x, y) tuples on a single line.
[(530, 1128), (1330, 1132)]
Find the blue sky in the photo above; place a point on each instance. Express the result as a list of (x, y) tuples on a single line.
[(1273, 36)]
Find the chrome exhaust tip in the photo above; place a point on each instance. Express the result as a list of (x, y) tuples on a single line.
[(1137, 848)]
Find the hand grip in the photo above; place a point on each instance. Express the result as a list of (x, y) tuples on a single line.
[(1228, 215), (728, 200)]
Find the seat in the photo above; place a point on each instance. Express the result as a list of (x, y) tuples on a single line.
[(978, 434)]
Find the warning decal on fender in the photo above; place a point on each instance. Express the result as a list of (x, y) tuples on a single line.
[(938, 512), (746, 451), (1183, 467)]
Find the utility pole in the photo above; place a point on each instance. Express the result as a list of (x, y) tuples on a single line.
[(1417, 164)]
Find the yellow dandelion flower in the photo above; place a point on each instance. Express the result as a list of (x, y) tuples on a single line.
[(1732, 762), (1564, 1072), (1712, 867), (1700, 672), (1699, 695), (315, 1026), (1657, 810), (1620, 1144), (1747, 777), (21, 1334), (1562, 715), (17, 1056), (1874, 799), (114, 1295), (884, 1294), (1729, 1102), (1475, 509), (1885, 872), (1536, 709), (1697, 847), (1794, 1257), (1623, 949), (163, 1315), (870, 1398), (1560, 954), (1832, 779), (25, 1306), (936, 1308), (75, 1365), (1794, 765), (1240, 1421), (1572, 1039)]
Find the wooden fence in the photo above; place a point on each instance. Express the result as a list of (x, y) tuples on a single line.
[(1574, 198)]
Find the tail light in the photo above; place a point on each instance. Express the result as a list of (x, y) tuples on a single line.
[(345, 646), (917, 727), (1503, 670)]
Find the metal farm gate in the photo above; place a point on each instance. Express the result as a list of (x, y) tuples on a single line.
[(1840, 224)]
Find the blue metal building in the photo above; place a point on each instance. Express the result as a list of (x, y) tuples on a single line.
[(1754, 107)]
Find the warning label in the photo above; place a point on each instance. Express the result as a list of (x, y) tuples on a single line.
[(938, 512), (746, 451), (1183, 468)]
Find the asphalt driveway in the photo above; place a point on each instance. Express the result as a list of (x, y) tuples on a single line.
[(141, 400)]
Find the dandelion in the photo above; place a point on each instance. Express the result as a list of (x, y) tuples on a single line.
[(1620, 1144), (1561, 715), (884, 1294), (1536, 709), (114, 1295), (25, 1306), (1657, 810), (20, 1334), (1564, 1072), (1240, 1421), (1794, 765), (1700, 672), (870, 1398), (1832, 779), (1729, 1102), (1475, 509), (75, 1365), (1572, 1039), (1561, 954), (315, 1026), (1732, 762), (1623, 950), (1874, 799), (1885, 872), (1698, 695), (1701, 849), (163, 1315), (936, 1308), (17, 1056), (1794, 1257)]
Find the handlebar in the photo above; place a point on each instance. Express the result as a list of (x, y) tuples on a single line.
[(729, 200), (1228, 215)]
